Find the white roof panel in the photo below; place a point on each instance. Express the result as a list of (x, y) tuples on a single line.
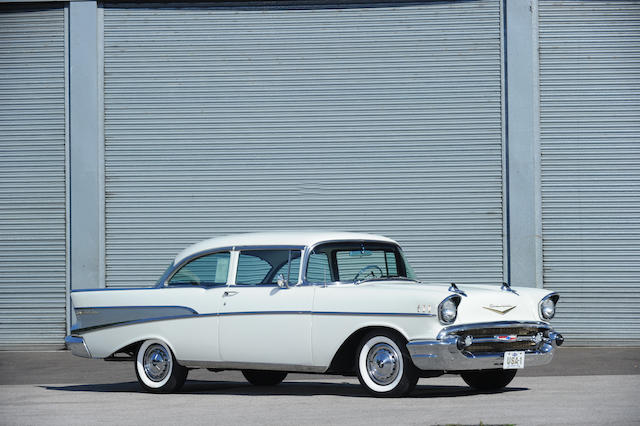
[(284, 238)]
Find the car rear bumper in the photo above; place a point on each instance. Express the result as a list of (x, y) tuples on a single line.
[(482, 346), (77, 346)]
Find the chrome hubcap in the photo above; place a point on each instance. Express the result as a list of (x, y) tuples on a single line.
[(382, 364), (157, 362)]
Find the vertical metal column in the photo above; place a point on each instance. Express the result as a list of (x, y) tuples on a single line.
[(84, 146), (523, 160)]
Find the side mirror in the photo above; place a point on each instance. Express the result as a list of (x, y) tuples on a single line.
[(282, 283)]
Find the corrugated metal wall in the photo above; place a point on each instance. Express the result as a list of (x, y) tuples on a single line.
[(32, 175), (376, 117), (590, 135)]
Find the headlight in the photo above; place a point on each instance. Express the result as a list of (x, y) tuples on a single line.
[(548, 306), (448, 309)]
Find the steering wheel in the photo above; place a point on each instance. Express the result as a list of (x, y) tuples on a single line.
[(367, 268)]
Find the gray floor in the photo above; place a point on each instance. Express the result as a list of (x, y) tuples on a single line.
[(581, 386)]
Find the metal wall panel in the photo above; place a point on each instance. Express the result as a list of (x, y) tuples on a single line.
[(32, 175), (378, 117), (590, 142)]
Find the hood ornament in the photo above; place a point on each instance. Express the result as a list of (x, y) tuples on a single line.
[(507, 287), (454, 288), (499, 309)]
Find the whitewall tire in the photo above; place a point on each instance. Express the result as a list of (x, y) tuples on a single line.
[(383, 365), (157, 369)]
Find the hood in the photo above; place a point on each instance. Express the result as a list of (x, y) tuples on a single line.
[(482, 303)]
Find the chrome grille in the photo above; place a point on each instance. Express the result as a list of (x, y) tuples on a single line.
[(501, 347), (483, 340), (500, 331)]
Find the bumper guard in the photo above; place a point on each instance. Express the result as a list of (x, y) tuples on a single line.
[(77, 346)]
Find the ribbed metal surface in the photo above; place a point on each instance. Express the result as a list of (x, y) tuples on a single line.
[(379, 117), (590, 135), (32, 175)]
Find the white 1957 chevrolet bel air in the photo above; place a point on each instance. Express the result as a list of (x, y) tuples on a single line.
[(323, 302)]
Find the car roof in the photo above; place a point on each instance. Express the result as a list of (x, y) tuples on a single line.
[(282, 238)]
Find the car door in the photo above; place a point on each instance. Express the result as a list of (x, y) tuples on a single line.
[(197, 284), (260, 322)]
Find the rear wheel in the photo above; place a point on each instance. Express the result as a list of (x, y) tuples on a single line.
[(156, 368), (487, 380), (384, 366), (264, 377)]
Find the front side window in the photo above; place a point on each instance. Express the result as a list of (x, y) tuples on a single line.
[(318, 270), (262, 267), (208, 270), (356, 262)]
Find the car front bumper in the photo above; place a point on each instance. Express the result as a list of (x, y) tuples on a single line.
[(77, 346), (482, 346)]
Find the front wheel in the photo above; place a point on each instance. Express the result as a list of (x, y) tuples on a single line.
[(264, 377), (487, 380), (157, 369), (384, 366)]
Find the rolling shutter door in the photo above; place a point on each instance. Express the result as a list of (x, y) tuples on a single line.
[(237, 117), (32, 175), (590, 136)]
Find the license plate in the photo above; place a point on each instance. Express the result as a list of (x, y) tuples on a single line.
[(513, 360)]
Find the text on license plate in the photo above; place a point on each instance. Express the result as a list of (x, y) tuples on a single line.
[(513, 359)]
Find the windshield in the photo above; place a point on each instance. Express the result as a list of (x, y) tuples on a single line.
[(357, 262)]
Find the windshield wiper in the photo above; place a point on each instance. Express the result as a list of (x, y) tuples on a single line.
[(399, 278), (390, 278)]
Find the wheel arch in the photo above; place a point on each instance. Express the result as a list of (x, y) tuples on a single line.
[(343, 362), (132, 348)]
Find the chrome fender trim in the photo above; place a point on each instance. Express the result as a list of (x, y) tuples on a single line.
[(227, 365)]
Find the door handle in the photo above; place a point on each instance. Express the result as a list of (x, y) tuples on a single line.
[(229, 293)]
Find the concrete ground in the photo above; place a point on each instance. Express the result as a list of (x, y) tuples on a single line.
[(580, 386)]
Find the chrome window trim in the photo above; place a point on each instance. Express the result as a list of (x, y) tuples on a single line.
[(555, 296), (270, 285), (170, 273), (271, 247), (302, 277)]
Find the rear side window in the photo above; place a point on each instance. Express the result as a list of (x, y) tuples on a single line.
[(208, 270)]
